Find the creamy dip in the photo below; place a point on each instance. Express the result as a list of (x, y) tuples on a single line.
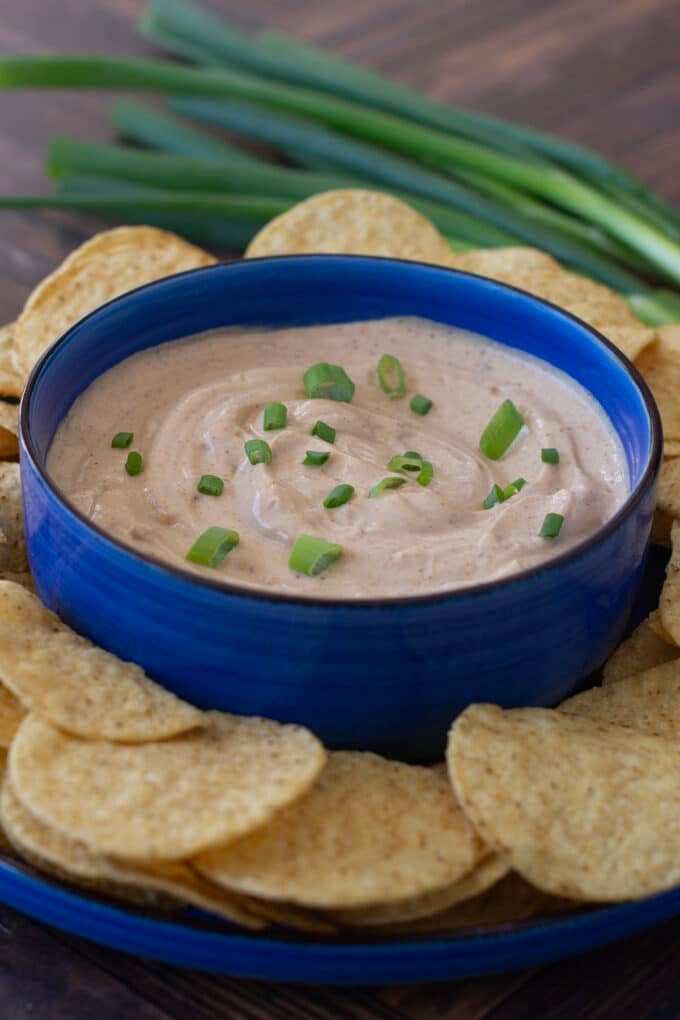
[(192, 404)]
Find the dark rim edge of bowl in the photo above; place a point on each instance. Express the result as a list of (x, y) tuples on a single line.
[(229, 588)]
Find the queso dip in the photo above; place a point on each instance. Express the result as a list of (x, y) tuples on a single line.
[(191, 405)]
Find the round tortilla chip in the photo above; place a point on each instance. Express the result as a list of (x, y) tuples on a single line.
[(76, 685), (50, 851), (168, 799), (109, 264), (9, 430), (659, 365), (11, 714), (668, 498), (484, 875), (648, 701), (370, 831), (354, 222), (13, 558), (581, 808), (669, 603), (11, 384), (642, 650)]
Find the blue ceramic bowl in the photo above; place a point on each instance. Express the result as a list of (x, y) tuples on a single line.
[(386, 675)]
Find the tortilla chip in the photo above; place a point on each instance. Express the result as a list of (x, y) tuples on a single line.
[(354, 222), (67, 858), (109, 264), (287, 915), (168, 799), (642, 650), (667, 501), (371, 831), (9, 430), (669, 603), (11, 714), (660, 367), (506, 264), (485, 874), (10, 382), (582, 808), (76, 685), (671, 448), (648, 701), (13, 558)]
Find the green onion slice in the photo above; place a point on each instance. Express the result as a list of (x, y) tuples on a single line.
[(391, 376), (328, 382), (495, 496), (412, 455), (316, 458), (501, 431), (275, 417), (420, 404), (212, 546), (133, 463), (407, 462), (340, 494), (519, 484), (122, 440), (257, 451), (426, 473), (210, 485), (549, 455), (392, 482), (311, 555), (324, 431), (551, 526)]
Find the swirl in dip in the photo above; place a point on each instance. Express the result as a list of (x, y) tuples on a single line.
[(192, 403)]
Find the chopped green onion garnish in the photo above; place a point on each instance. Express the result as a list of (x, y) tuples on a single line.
[(391, 376), (324, 431), (133, 463), (340, 494), (122, 440), (420, 404), (311, 555), (257, 451), (519, 483), (392, 482), (210, 485), (328, 382), (513, 488), (275, 417), (426, 473), (549, 455), (412, 455), (501, 431), (316, 457), (407, 462), (551, 526), (212, 546), (495, 496)]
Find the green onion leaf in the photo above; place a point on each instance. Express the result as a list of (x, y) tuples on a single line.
[(275, 417), (412, 455), (391, 376), (420, 404), (122, 440), (549, 455), (407, 462), (210, 485), (392, 482), (316, 458), (501, 431), (551, 526), (328, 382), (341, 494), (212, 546), (519, 483), (311, 555), (495, 496), (324, 431), (426, 473), (257, 451), (133, 463)]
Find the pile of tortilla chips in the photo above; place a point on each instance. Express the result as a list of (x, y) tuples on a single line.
[(114, 784)]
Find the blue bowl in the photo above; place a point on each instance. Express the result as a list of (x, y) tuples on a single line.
[(387, 675)]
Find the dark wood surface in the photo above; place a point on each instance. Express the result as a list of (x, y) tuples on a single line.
[(605, 74)]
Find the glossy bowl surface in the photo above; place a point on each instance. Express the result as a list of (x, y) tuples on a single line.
[(385, 675)]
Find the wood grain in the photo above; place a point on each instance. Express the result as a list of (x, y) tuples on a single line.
[(604, 74)]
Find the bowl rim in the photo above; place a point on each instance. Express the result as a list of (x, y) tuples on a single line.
[(227, 588)]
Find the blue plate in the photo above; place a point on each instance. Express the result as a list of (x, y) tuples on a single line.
[(196, 940)]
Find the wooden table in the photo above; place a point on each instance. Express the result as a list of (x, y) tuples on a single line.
[(605, 74)]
